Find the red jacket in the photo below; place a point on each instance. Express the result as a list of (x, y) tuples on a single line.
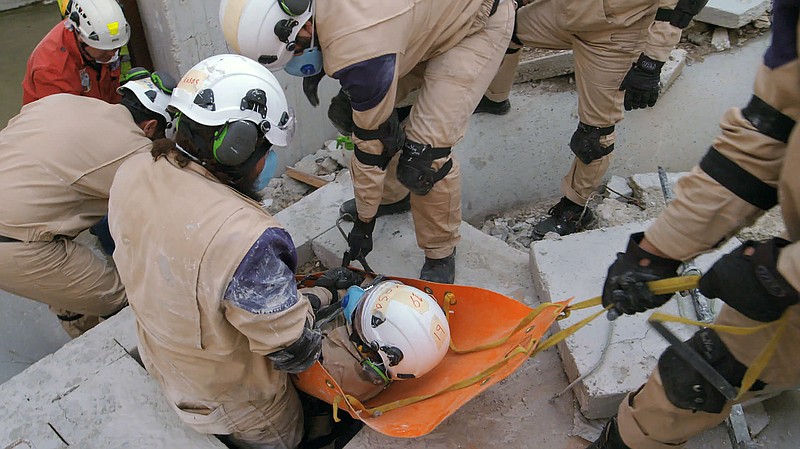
[(56, 66)]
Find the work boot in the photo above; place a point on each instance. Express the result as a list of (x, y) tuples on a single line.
[(348, 209), (442, 271), (565, 218), (609, 438), (493, 107)]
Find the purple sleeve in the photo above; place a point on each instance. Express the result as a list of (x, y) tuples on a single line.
[(264, 281), (367, 82)]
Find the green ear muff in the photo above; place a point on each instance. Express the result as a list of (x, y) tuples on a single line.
[(294, 7), (235, 142)]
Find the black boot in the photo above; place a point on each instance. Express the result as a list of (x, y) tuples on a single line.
[(609, 438), (493, 107), (565, 218), (442, 271), (348, 209)]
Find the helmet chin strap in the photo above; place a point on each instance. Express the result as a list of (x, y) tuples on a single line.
[(189, 155)]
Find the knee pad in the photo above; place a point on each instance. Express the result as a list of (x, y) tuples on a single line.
[(414, 168), (686, 388), (391, 135), (585, 142)]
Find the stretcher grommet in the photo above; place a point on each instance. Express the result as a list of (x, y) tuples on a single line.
[(428, 290), (483, 382), (528, 330), (329, 384)]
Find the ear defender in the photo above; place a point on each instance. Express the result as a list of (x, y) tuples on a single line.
[(235, 142), (294, 7)]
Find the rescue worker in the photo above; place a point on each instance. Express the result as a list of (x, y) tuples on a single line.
[(80, 55), (752, 165), (380, 51), (209, 273), (384, 332), (60, 155), (619, 50)]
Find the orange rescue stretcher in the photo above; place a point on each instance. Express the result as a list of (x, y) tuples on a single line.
[(491, 336)]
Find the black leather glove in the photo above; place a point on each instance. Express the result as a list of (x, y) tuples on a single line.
[(641, 83), (626, 282), (339, 278), (360, 238), (311, 87), (340, 113), (748, 280)]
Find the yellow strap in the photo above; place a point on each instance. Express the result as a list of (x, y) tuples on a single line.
[(480, 377)]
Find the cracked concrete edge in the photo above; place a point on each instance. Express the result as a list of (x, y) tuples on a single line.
[(673, 67), (543, 67)]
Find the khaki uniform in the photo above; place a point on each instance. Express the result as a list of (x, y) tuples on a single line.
[(60, 155), (180, 237), (343, 362), (703, 214), (450, 50), (606, 38)]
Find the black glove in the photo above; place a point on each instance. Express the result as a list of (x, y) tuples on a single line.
[(751, 283), (337, 279), (626, 282), (641, 83), (360, 238), (311, 87), (340, 113)]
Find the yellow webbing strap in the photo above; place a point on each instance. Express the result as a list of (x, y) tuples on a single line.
[(480, 377), (659, 287)]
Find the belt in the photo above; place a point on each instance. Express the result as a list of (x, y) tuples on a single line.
[(4, 239), (495, 4)]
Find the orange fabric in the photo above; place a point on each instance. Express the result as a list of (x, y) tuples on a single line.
[(56, 66), (478, 317)]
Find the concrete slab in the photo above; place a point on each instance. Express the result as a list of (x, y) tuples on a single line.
[(576, 265), (556, 64), (673, 67), (480, 261), (732, 13)]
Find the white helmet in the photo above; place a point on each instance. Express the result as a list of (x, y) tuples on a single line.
[(264, 30), (153, 90), (405, 326), (224, 89), (100, 23)]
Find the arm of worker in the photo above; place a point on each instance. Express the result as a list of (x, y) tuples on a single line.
[(263, 303), (46, 82), (663, 35), (372, 87)]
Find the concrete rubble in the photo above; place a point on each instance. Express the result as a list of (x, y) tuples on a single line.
[(732, 13)]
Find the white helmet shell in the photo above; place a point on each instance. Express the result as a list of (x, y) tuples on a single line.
[(405, 326), (100, 23), (264, 30), (153, 98), (222, 89)]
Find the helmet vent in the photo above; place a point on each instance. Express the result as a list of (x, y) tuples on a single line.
[(394, 354), (205, 99), (255, 100), (377, 321), (267, 59)]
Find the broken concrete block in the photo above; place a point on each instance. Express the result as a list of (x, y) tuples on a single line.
[(576, 266), (644, 181), (732, 13), (618, 185), (672, 69), (556, 64), (720, 40)]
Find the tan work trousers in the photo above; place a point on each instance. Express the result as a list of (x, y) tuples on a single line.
[(67, 276), (647, 420), (265, 424), (602, 58), (450, 86)]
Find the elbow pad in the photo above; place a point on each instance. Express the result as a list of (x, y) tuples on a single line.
[(301, 354), (683, 13)]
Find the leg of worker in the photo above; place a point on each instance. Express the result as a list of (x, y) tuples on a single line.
[(536, 27), (648, 419), (454, 83), (274, 424), (62, 274)]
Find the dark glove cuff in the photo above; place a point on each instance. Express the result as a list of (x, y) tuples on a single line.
[(658, 265), (649, 65), (364, 227)]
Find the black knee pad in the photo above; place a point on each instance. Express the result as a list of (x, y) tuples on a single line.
[(585, 142), (414, 169), (686, 388)]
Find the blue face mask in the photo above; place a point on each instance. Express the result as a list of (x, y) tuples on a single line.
[(268, 172), (309, 63)]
